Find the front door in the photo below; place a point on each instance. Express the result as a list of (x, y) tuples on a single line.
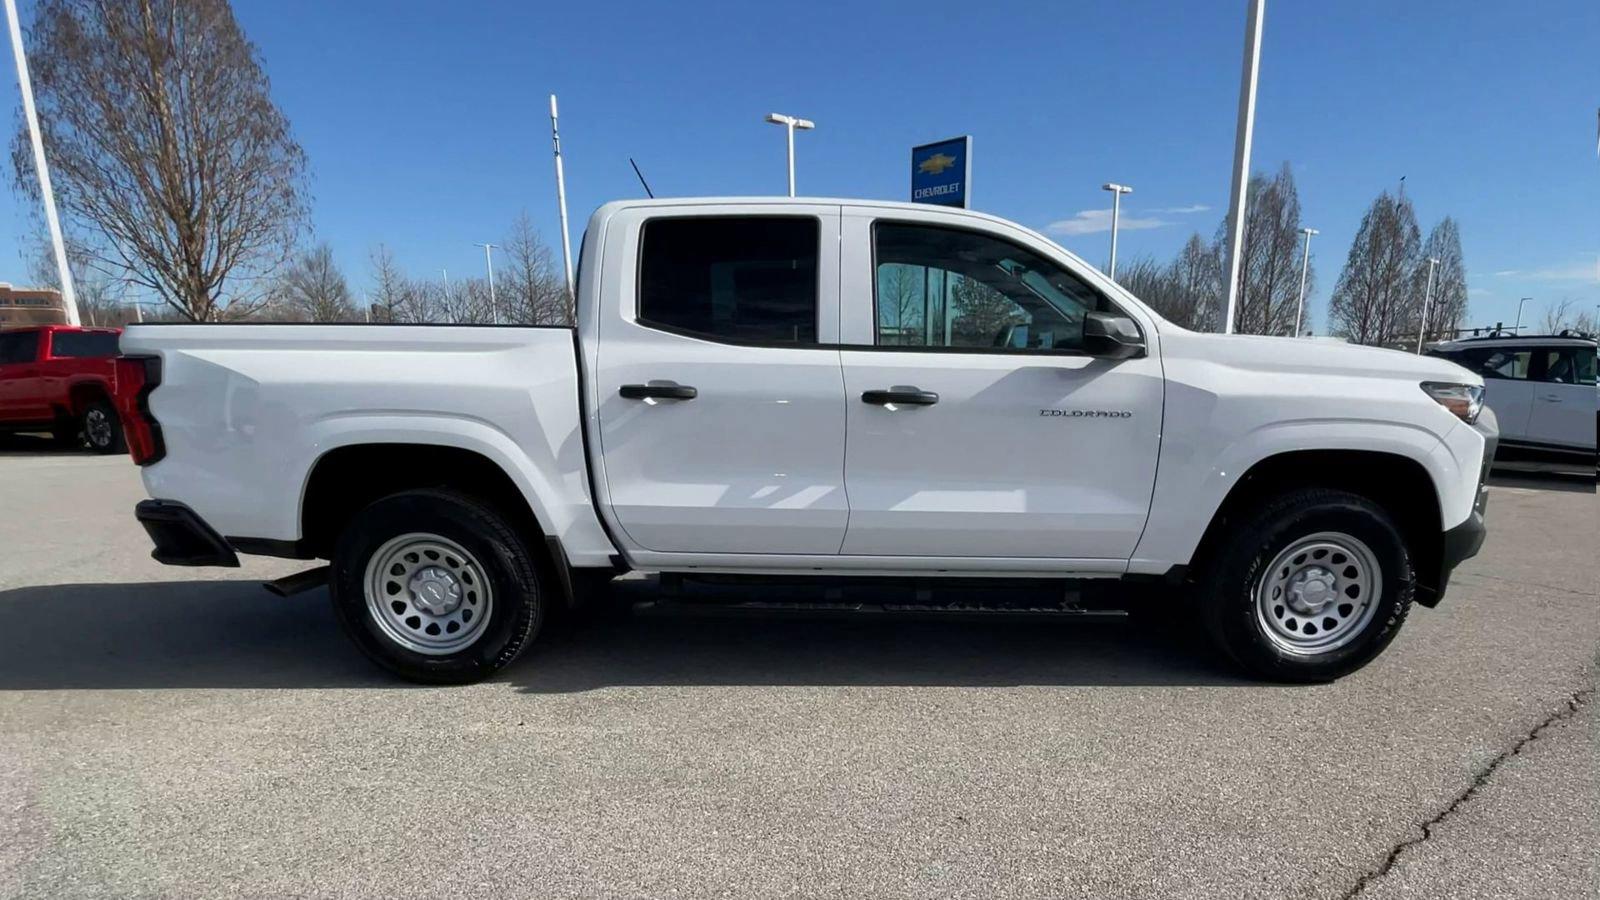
[(977, 427), (1506, 386), (21, 400), (722, 415)]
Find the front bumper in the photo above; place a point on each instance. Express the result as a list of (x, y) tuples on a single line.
[(1463, 542), (181, 537)]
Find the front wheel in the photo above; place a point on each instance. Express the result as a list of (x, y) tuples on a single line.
[(436, 587), (1310, 587)]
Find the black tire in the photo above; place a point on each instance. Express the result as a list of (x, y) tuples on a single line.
[(67, 433), (507, 566), (1228, 587), (102, 428)]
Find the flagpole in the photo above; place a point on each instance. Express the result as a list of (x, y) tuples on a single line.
[(69, 297)]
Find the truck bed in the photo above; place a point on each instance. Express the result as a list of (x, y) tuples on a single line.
[(246, 411)]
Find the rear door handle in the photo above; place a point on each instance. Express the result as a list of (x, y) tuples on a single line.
[(659, 390), (910, 396), (1550, 398)]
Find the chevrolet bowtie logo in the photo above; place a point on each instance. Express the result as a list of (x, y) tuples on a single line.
[(936, 163)]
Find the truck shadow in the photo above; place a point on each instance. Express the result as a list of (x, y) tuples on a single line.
[(233, 634)]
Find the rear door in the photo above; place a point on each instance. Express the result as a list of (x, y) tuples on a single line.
[(720, 398), (977, 426), (1564, 398)]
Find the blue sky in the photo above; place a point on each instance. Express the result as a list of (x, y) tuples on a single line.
[(426, 122)]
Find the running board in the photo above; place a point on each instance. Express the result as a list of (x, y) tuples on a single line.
[(671, 607), (298, 583)]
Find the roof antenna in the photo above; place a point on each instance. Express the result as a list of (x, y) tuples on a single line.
[(641, 178)]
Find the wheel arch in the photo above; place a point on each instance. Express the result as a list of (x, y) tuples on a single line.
[(345, 479), (1400, 484)]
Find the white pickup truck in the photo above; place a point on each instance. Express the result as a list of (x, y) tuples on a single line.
[(805, 388)]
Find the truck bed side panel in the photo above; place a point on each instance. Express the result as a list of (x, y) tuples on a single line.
[(247, 410)]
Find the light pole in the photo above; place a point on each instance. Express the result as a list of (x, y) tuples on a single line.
[(561, 199), (69, 296), (1427, 298), (1517, 328), (1241, 153), (1117, 190), (488, 262), (1305, 266), (790, 123)]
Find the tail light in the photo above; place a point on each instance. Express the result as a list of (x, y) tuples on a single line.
[(137, 376)]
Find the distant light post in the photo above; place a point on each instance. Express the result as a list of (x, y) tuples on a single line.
[(488, 262), (790, 123), (1427, 298), (1305, 266), (1117, 190), (1517, 328)]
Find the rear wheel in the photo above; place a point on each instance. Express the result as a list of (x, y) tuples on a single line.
[(1311, 587), (102, 428), (436, 587)]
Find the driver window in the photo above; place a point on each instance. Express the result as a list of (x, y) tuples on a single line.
[(944, 287)]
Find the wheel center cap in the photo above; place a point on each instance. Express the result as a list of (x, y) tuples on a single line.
[(435, 591), (1311, 589)]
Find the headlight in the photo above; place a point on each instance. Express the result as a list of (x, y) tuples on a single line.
[(1465, 400)]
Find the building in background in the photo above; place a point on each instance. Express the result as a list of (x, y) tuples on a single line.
[(30, 306)]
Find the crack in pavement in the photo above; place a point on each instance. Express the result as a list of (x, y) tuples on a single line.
[(1574, 702)]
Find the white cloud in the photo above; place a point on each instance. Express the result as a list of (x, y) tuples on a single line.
[(1480, 292), (1576, 271), (1093, 221), (1182, 210)]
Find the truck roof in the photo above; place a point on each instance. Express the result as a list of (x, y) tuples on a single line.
[(801, 201)]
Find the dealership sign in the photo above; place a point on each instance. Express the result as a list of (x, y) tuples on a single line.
[(942, 172)]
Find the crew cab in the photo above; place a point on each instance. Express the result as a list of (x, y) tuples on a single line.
[(806, 388), (61, 379)]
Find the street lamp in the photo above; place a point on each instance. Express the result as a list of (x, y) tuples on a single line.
[(1517, 328), (1427, 297), (1241, 155), (1305, 266), (1117, 190), (488, 261), (790, 123)]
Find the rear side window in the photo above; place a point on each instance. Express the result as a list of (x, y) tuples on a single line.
[(1568, 366), (741, 279), (18, 347), (83, 343)]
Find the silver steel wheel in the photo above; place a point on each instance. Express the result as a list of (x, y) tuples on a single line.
[(1319, 593), (97, 427), (428, 594)]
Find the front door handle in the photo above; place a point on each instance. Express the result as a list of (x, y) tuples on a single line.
[(1550, 398), (659, 390), (910, 396)]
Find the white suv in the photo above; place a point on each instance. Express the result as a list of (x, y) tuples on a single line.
[(1542, 388)]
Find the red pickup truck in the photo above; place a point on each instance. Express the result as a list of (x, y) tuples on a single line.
[(63, 380)]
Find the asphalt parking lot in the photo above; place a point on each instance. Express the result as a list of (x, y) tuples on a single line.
[(170, 732)]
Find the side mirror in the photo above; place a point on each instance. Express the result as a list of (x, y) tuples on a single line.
[(1110, 336)]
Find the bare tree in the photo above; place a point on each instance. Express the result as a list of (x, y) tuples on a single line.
[(1269, 289), (1561, 316), (167, 151), (1197, 278), (981, 313), (1372, 303), (531, 290), (396, 298), (314, 289), (1448, 307), (900, 303), (101, 299)]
